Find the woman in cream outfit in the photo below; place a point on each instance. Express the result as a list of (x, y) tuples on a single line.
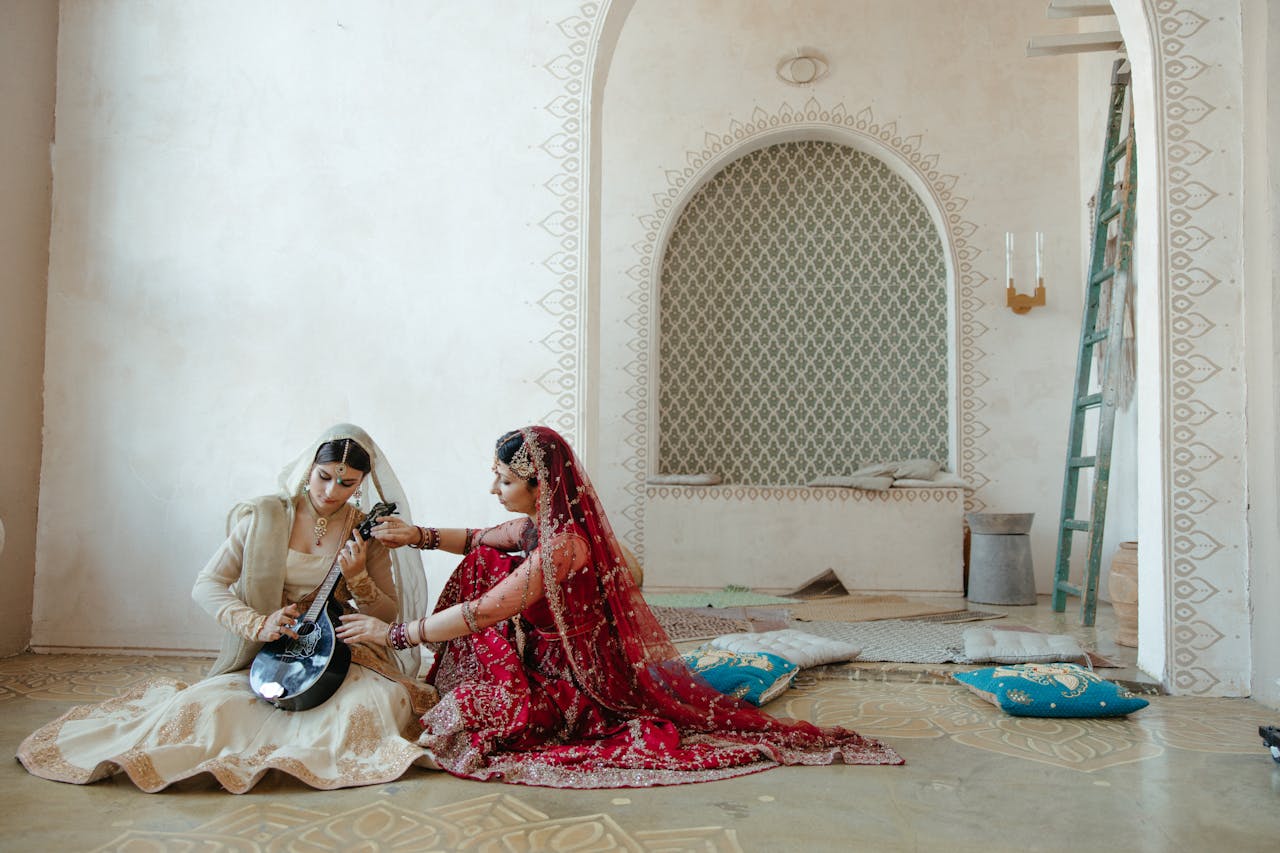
[(278, 549)]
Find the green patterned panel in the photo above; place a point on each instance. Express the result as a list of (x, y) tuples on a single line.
[(803, 321)]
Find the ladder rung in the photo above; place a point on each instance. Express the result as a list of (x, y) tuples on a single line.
[(1075, 524), (1092, 401), (1102, 275), (1111, 212), (1114, 155), (1100, 335), (1068, 588), (1083, 461)]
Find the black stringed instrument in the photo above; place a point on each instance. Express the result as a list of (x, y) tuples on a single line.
[(297, 673)]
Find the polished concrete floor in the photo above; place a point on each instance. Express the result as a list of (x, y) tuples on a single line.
[(1183, 774)]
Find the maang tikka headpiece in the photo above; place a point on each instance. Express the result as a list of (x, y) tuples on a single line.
[(521, 464), (342, 465)]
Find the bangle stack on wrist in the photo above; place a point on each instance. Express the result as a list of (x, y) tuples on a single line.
[(428, 539), (398, 636), (469, 616)]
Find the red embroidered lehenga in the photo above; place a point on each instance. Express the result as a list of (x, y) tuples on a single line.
[(583, 689)]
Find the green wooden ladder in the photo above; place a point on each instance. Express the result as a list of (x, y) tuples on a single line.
[(1113, 222)]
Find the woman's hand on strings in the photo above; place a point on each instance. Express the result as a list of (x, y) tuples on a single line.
[(279, 624), (351, 557), (362, 628)]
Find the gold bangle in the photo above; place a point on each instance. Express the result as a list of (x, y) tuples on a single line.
[(469, 617)]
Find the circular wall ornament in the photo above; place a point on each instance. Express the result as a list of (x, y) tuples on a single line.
[(804, 69)]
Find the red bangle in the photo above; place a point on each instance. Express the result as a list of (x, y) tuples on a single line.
[(399, 636)]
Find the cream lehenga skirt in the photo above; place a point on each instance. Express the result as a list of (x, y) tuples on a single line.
[(165, 731)]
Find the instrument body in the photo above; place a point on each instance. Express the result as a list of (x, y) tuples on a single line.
[(295, 674)]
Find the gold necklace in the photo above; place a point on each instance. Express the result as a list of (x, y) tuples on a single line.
[(321, 526)]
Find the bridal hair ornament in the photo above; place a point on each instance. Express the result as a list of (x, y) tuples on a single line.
[(521, 464), (342, 465)]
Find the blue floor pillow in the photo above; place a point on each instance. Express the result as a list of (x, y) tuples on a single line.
[(756, 677), (1050, 690)]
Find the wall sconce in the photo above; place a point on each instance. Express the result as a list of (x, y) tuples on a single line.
[(1022, 303)]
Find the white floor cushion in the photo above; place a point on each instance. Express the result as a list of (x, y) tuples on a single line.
[(804, 650), (999, 646)]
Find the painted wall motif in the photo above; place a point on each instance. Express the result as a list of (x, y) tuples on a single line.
[(803, 312), (1197, 83), (565, 223)]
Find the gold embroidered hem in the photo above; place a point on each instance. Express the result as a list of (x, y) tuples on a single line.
[(166, 731), (422, 696)]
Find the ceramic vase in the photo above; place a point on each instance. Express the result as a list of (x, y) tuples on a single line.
[(1122, 585)]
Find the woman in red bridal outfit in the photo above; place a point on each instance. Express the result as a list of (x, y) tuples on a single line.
[(550, 666)]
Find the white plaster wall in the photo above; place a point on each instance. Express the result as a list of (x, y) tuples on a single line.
[(1005, 126), (1262, 233), (1196, 395), (898, 541), (28, 63), (267, 218), (1150, 305)]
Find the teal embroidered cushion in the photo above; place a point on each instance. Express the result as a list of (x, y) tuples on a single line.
[(756, 677), (1050, 690)]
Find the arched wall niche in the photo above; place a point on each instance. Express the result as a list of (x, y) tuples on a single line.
[(915, 187), (906, 156)]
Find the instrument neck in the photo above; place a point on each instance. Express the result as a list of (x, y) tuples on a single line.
[(323, 592)]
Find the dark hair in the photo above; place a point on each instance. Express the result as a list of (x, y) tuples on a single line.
[(506, 448), (357, 456)]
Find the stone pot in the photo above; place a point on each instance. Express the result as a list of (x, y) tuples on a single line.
[(1000, 570), (1000, 523), (1122, 586)]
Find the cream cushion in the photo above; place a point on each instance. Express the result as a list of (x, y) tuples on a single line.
[(999, 646), (684, 479), (852, 481), (944, 480), (903, 469), (804, 650)]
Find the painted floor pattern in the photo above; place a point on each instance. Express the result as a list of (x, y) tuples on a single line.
[(1184, 773)]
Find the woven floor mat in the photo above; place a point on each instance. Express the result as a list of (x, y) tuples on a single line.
[(867, 608), (691, 623), (956, 616), (715, 598)]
